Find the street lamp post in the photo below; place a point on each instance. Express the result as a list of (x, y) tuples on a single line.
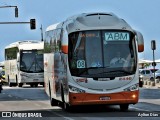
[(16, 9)]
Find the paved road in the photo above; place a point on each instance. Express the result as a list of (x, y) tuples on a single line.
[(35, 100)]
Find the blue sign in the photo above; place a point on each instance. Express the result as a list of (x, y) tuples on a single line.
[(109, 36)]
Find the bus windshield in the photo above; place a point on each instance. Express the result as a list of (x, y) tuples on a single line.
[(102, 53), (31, 61)]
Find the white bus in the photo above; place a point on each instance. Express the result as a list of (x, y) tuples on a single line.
[(70, 47), (24, 63)]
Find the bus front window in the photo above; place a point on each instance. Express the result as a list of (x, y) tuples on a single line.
[(93, 53), (31, 61)]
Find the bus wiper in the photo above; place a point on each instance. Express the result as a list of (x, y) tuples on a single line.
[(94, 67), (115, 71)]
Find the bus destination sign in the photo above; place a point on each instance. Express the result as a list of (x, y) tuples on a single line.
[(109, 36)]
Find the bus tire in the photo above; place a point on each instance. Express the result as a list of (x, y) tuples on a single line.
[(124, 107), (65, 105), (10, 84), (53, 102), (31, 85)]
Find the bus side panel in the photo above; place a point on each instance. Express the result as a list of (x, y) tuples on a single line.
[(11, 70), (59, 77), (57, 70), (51, 73), (64, 66), (47, 65), (7, 69)]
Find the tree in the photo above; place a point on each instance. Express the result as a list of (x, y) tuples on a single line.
[(146, 65)]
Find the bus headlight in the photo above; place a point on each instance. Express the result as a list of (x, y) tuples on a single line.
[(75, 90), (132, 88)]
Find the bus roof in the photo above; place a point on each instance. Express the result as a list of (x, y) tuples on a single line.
[(52, 27), (89, 21), (23, 44)]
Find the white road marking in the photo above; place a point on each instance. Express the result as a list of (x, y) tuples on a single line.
[(152, 101), (66, 118), (139, 109)]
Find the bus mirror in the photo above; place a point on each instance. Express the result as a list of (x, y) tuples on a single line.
[(140, 41), (64, 46)]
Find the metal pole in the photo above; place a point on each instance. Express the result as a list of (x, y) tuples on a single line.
[(7, 6), (154, 68), (14, 22), (41, 33), (32, 24), (16, 9)]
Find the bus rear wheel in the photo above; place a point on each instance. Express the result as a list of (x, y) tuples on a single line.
[(124, 107), (67, 107), (53, 102)]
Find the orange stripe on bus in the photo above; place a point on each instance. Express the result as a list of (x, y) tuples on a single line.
[(65, 48), (115, 98), (140, 48)]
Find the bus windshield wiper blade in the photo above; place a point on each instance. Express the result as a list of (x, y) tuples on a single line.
[(115, 71), (121, 71), (94, 67)]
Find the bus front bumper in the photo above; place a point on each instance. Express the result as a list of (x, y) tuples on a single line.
[(130, 97)]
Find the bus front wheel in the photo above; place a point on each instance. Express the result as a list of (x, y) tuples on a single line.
[(65, 105)]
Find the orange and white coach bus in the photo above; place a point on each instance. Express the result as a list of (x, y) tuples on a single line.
[(80, 67)]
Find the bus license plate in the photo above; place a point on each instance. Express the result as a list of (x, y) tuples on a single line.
[(105, 98)]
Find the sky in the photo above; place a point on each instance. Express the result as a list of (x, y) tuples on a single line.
[(141, 15)]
